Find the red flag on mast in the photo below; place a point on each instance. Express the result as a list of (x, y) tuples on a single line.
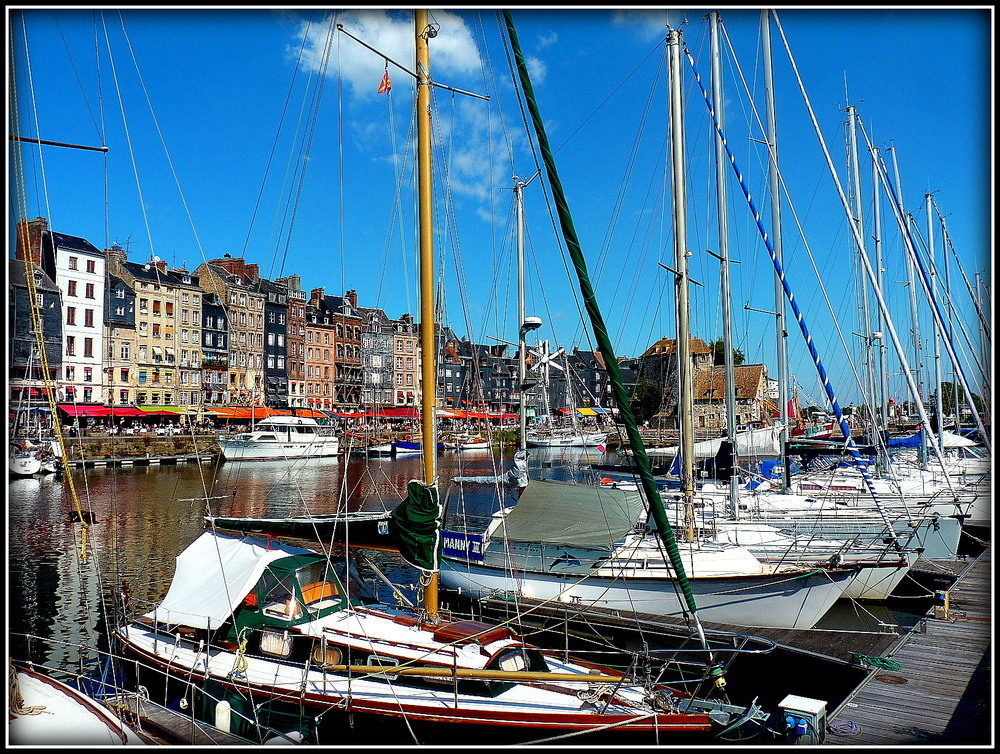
[(386, 85)]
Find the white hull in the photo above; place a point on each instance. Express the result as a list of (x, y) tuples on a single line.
[(760, 601), (63, 717), (27, 464), (266, 450), (568, 440)]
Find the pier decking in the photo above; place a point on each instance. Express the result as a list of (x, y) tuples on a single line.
[(941, 692)]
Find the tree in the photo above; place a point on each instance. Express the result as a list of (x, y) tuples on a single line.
[(719, 354), (948, 399), (645, 400)]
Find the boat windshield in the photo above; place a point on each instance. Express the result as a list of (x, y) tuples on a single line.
[(318, 586)]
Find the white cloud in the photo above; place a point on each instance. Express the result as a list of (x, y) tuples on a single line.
[(650, 23), (548, 40), (536, 69), (453, 51)]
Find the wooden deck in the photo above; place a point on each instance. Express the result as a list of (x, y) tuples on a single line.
[(940, 694)]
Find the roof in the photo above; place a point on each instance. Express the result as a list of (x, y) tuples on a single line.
[(669, 346), (16, 279), (74, 243), (710, 384)]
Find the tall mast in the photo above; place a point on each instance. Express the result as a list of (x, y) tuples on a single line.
[(879, 335), (685, 403), (914, 315), (779, 294), (524, 324), (723, 221), (951, 324), (428, 364), (931, 254), (856, 211)]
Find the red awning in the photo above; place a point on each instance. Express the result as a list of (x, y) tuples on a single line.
[(404, 412), (119, 411), (308, 413), (72, 409)]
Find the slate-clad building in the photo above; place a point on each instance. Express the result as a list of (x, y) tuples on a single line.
[(23, 359)]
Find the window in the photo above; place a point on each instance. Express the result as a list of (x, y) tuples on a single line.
[(124, 374), (156, 307), (88, 317), (142, 376), (156, 330), (71, 315), (120, 293), (184, 297), (88, 374), (124, 351), (142, 353), (88, 394), (143, 306), (73, 263), (91, 266), (90, 290), (70, 345), (143, 328), (119, 311), (70, 373), (170, 308), (88, 346), (71, 288), (123, 396)]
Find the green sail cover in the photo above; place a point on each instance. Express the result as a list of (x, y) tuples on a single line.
[(415, 526), (574, 515)]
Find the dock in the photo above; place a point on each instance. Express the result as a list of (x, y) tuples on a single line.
[(937, 689), (939, 694), (167, 460)]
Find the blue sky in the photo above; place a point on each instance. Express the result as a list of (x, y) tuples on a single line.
[(210, 116)]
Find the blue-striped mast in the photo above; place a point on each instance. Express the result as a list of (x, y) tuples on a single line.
[(796, 311)]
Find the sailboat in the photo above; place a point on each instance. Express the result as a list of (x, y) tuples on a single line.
[(587, 544), (278, 629)]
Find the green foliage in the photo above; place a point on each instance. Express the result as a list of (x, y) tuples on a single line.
[(719, 354), (645, 400)]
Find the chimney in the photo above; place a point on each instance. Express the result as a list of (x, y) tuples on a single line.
[(315, 295), (352, 296), (160, 264), (294, 283), (116, 257), (29, 232), (252, 271)]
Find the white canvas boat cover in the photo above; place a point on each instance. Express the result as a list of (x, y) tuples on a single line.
[(213, 576), (953, 440), (575, 515), (765, 441)]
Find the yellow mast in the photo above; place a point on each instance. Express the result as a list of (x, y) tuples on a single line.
[(428, 366)]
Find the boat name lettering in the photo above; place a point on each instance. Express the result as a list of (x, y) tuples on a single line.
[(462, 545)]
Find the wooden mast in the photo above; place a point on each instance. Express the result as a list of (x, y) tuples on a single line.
[(428, 364)]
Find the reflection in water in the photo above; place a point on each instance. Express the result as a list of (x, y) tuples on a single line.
[(143, 517)]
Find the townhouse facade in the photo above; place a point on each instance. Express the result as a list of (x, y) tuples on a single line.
[(130, 333), (235, 283)]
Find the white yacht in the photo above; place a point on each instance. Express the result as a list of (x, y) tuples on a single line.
[(281, 437)]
